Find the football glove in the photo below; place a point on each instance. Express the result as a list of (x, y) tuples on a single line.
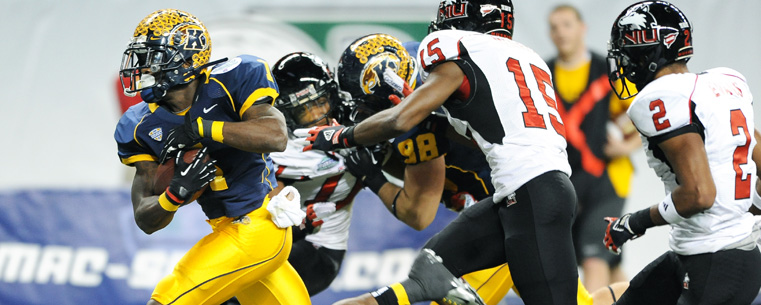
[(285, 208), (328, 137), (460, 201), (362, 163), (618, 232), (185, 135), (318, 211), (190, 178)]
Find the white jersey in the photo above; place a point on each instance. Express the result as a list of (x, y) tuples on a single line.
[(320, 177), (717, 104), (507, 105)]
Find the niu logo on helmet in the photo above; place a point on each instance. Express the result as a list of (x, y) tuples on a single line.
[(451, 10)]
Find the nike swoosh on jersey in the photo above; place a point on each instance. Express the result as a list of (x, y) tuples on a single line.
[(206, 110)]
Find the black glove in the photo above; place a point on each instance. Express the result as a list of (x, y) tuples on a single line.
[(618, 232), (330, 137), (364, 165), (185, 135), (190, 178)]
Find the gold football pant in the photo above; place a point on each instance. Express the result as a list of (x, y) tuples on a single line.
[(494, 283), (244, 257)]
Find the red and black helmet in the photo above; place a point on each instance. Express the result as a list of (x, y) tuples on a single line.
[(486, 16), (646, 37), (303, 78)]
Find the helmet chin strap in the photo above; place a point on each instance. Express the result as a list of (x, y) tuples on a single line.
[(155, 94)]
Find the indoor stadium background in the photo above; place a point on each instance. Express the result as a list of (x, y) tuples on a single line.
[(67, 235)]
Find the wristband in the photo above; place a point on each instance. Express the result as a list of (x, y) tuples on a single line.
[(640, 221), (756, 199), (375, 182), (167, 203), (668, 211), (393, 204), (348, 137), (210, 129)]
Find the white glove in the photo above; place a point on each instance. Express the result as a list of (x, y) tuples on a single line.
[(285, 208)]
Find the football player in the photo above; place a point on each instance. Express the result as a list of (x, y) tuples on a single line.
[(698, 131), (369, 79), (465, 180), (227, 110), (499, 93), (309, 97)]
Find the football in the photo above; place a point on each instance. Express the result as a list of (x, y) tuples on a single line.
[(165, 172)]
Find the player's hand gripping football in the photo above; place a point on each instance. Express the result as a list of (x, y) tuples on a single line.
[(185, 135), (326, 137), (191, 177), (618, 232)]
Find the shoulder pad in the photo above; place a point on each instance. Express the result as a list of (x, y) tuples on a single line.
[(125, 128), (440, 46), (657, 112)]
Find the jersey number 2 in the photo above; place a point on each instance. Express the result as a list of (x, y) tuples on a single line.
[(532, 118), (742, 180)]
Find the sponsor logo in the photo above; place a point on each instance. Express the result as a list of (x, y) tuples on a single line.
[(326, 163), (206, 110), (226, 66), (686, 281), (367, 270), (486, 9), (328, 134), (510, 200), (156, 134), (669, 39), (35, 264)]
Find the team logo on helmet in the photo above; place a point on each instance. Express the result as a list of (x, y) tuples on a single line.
[(453, 9), (374, 71), (194, 38), (641, 28)]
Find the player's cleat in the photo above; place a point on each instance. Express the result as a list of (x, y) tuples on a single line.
[(437, 283), (462, 294)]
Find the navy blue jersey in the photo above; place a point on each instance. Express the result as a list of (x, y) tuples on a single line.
[(467, 169), (243, 178)]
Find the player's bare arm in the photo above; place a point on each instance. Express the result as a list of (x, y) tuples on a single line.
[(419, 200), (392, 122), (149, 215), (262, 130), (696, 191)]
